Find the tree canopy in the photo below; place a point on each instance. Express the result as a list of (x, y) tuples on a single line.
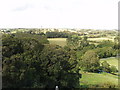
[(28, 62), (90, 61)]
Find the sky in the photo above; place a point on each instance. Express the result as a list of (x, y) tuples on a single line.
[(83, 14)]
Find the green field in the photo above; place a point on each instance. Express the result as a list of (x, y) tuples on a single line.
[(101, 39), (112, 61), (58, 41), (102, 79)]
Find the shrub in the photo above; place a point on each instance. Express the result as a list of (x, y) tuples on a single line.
[(113, 69)]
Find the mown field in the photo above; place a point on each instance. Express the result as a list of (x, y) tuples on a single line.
[(58, 41), (98, 80), (101, 39)]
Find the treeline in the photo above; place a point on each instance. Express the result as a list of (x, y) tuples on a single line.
[(29, 61), (51, 34), (57, 35)]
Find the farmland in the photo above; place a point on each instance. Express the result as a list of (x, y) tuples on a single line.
[(62, 41), (58, 41), (101, 39), (100, 79)]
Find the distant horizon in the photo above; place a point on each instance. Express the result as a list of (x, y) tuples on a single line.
[(60, 28)]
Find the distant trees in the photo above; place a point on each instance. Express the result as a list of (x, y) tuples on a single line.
[(106, 49), (105, 43), (105, 52), (56, 34), (77, 42), (41, 38), (73, 41), (81, 51), (84, 43)]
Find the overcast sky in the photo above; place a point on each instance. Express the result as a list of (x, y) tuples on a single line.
[(83, 14)]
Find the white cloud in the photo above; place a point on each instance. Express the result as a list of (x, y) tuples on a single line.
[(97, 14), (22, 8)]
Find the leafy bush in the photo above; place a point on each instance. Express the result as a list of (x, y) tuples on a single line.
[(113, 69)]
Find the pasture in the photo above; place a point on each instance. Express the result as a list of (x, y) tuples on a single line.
[(101, 39), (98, 80), (58, 41)]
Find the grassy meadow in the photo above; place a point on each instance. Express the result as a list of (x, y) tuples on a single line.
[(97, 40), (101, 39), (58, 41), (98, 79)]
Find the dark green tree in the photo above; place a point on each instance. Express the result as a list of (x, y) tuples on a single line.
[(35, 65), (20, 61), (60, 67), (11, 45), (84, 42)]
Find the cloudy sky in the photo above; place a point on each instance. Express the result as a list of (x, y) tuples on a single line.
[(84, 14)]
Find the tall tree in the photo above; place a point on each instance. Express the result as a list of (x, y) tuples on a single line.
[(60, 67), (90, 61)]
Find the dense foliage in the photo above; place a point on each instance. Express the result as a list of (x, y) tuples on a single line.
[(56, 35), (30, 62), (90, 61)]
